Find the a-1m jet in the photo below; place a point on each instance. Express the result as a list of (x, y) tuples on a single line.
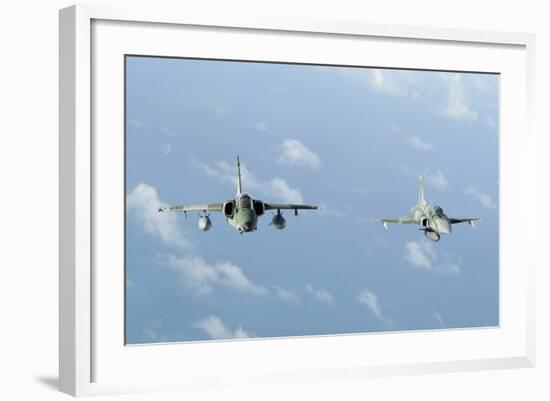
[(433, 220), (241, 212)]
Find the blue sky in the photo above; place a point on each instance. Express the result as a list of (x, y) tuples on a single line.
[(352, 140)]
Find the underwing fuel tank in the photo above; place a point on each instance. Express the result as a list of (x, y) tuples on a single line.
[(204, 223), (432, 235), (278, 221)]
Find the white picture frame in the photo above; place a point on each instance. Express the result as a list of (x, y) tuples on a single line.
[(82, 344)]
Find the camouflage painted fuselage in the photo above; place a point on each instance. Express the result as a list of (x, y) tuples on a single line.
[(241, 212), (432, 218), (244, 218)]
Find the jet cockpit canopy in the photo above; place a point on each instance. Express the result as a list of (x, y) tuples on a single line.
[(245, 202)]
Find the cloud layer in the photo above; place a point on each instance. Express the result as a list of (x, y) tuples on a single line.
[(390, 82), (486, 200), (370, 300), (386, 81), (437, 316), (420, 254), (286, 295), (436, 179), (456, 106), (279, 189), (296, 153), (320, 294), (424, 256), (202, 277), (416, 143), (144, 202), (216, 329), (275, 189)]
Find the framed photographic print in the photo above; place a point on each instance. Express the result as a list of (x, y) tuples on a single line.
[(272, 200)]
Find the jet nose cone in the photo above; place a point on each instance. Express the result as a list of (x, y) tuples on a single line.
[(443, 226), (247, 227)]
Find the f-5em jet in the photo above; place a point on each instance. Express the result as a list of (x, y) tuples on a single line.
[(433, 220), (241, 212)]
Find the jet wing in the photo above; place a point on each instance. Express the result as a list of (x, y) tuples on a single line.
[(401, 220), (211, 207), (271, 206), (469, 220)]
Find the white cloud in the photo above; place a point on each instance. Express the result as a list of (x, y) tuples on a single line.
[(202, 277), (166, 148), (416, 143), (424, 256), (216, 329), (436, 179), (152, 331), (168, 132), (449, 268), (224, 172), (456, 106), (199, 276), (279, 189), (144, 202), (296, 153), (286, 295), (154, 336), (369, 299), (385, 81), (339, 212), (233, 277), (439, 319), (151, 335), (134, 123), (261, 126), (276, 189), (486, 200), (420, 254), (488, 86), (320, 294)]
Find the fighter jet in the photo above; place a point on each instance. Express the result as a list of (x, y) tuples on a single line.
[(241, 212), (433, 220)]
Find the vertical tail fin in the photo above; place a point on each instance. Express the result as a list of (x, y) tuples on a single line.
[(239, 188), (421, 200)]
